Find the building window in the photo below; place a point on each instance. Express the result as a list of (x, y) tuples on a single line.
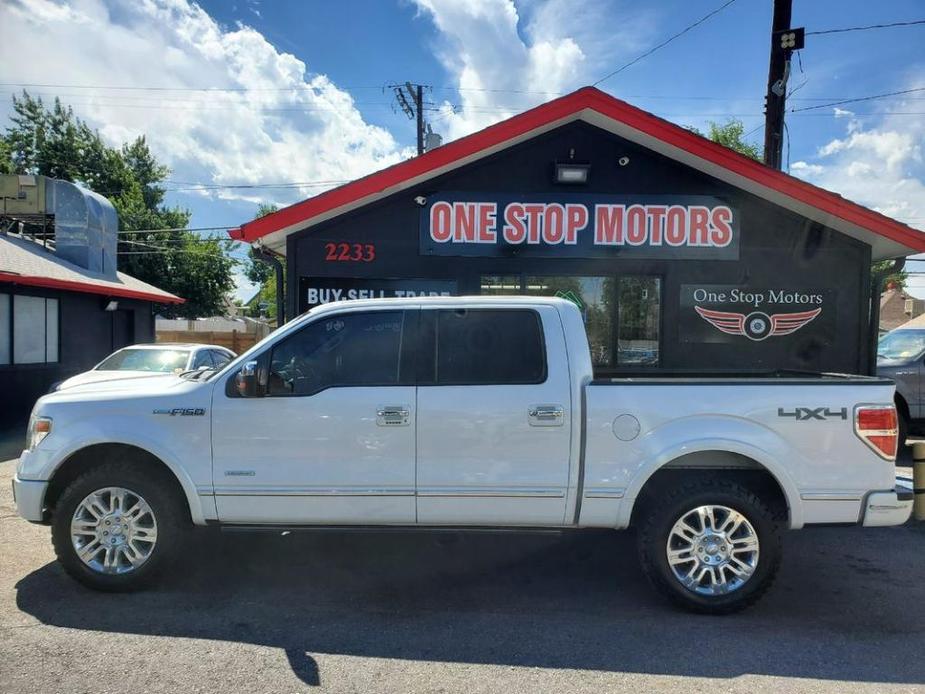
[(638, 307), (623, 311), (592, 296), (33, 323)]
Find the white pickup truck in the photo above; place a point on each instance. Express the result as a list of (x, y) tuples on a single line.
[(468, 412)]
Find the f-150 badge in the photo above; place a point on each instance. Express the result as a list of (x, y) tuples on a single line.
[(757, 325), (182, 411)]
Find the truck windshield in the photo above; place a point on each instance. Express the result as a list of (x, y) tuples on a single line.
[(163, 360), (901, 344)]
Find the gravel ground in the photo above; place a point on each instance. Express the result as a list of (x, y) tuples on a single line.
[(390, 612)]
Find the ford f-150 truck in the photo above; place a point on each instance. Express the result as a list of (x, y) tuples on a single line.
[(465, 412)]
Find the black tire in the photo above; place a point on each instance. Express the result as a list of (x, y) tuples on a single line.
[(168, 508), (658, 519)]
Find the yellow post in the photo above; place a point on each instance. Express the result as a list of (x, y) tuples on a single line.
[(918, 480)]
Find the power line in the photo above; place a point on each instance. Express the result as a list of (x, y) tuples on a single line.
[(161, 100), (151, 231), (865, 28), (665, 42), (302, 87), (122, 87), (860, 98), (219, 186)]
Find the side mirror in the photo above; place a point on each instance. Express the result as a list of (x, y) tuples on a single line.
[(247, 382)]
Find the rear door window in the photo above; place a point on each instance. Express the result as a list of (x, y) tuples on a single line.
[(485, 346)]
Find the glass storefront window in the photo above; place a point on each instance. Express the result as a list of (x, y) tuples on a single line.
[(618, 311), (591, 295), (639, 302)]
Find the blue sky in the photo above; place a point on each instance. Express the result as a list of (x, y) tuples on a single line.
[(297, 88)]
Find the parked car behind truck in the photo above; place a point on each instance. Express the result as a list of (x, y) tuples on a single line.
[(464, 412), (150, 360), (901, 357)]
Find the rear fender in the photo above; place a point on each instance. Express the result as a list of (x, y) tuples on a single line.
[(736, 435)]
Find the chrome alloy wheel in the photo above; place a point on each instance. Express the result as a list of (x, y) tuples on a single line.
[(113, 530), (712, 550)]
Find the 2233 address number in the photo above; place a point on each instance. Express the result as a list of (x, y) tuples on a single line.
[(350, 252)]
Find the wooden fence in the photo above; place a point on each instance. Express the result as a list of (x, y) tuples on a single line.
[(236, 341)]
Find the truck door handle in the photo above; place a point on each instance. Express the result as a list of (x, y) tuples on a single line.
[(392, 416), (546, 415)]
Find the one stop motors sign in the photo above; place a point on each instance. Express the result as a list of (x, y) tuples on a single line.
[(584, 226)]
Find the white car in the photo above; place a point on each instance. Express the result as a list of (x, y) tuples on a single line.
[(147, 360), (461, 412)]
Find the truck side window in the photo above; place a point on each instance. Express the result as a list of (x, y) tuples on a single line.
[(349, 349), (489, 346)]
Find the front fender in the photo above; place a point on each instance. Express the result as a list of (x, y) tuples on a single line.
[(744, 437), (42, 463)]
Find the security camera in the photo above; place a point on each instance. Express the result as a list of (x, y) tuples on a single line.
[(420, 200), (623, 161)]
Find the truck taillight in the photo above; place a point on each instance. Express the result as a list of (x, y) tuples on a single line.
[(876, 425)]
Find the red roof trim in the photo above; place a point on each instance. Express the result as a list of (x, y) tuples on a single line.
[(568, 105), (123, 292)]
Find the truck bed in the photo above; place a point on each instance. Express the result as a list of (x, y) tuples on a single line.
[(803, 434)]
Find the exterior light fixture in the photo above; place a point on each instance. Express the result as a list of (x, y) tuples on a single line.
[(572, 174), (790, 39), (112, 306)]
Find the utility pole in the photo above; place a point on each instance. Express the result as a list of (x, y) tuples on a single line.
[(410, 99), (419, 111), (784, 41)]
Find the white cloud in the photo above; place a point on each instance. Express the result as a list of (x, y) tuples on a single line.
[(880, 167), (805, 169), (268, 118), (506, 58), (282, 122)]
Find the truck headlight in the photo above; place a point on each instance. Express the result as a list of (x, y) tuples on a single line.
[(39, 428)]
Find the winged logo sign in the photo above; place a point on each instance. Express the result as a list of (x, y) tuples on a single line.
[(757, 325), (751, 314)]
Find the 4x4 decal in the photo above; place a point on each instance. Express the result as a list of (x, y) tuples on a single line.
[(805, 414)]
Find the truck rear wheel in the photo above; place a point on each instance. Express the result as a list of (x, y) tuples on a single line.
[(116, 527), (711, 546)]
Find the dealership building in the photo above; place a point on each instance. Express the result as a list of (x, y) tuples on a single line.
[(681, 254)]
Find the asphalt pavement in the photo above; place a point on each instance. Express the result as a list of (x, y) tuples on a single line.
[(447, 612)]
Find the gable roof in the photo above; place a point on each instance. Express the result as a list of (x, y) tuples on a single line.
[(887, 237), (25, 262)]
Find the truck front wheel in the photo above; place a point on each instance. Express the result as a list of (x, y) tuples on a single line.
[(710, 545), (116, 526)]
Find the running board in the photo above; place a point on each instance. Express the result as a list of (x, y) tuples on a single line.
[(287, 529)]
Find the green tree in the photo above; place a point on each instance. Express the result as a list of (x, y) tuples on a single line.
[(883, 271), (6, 157), (731, 134), (53, 142), (256, 271), (262, 274)]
